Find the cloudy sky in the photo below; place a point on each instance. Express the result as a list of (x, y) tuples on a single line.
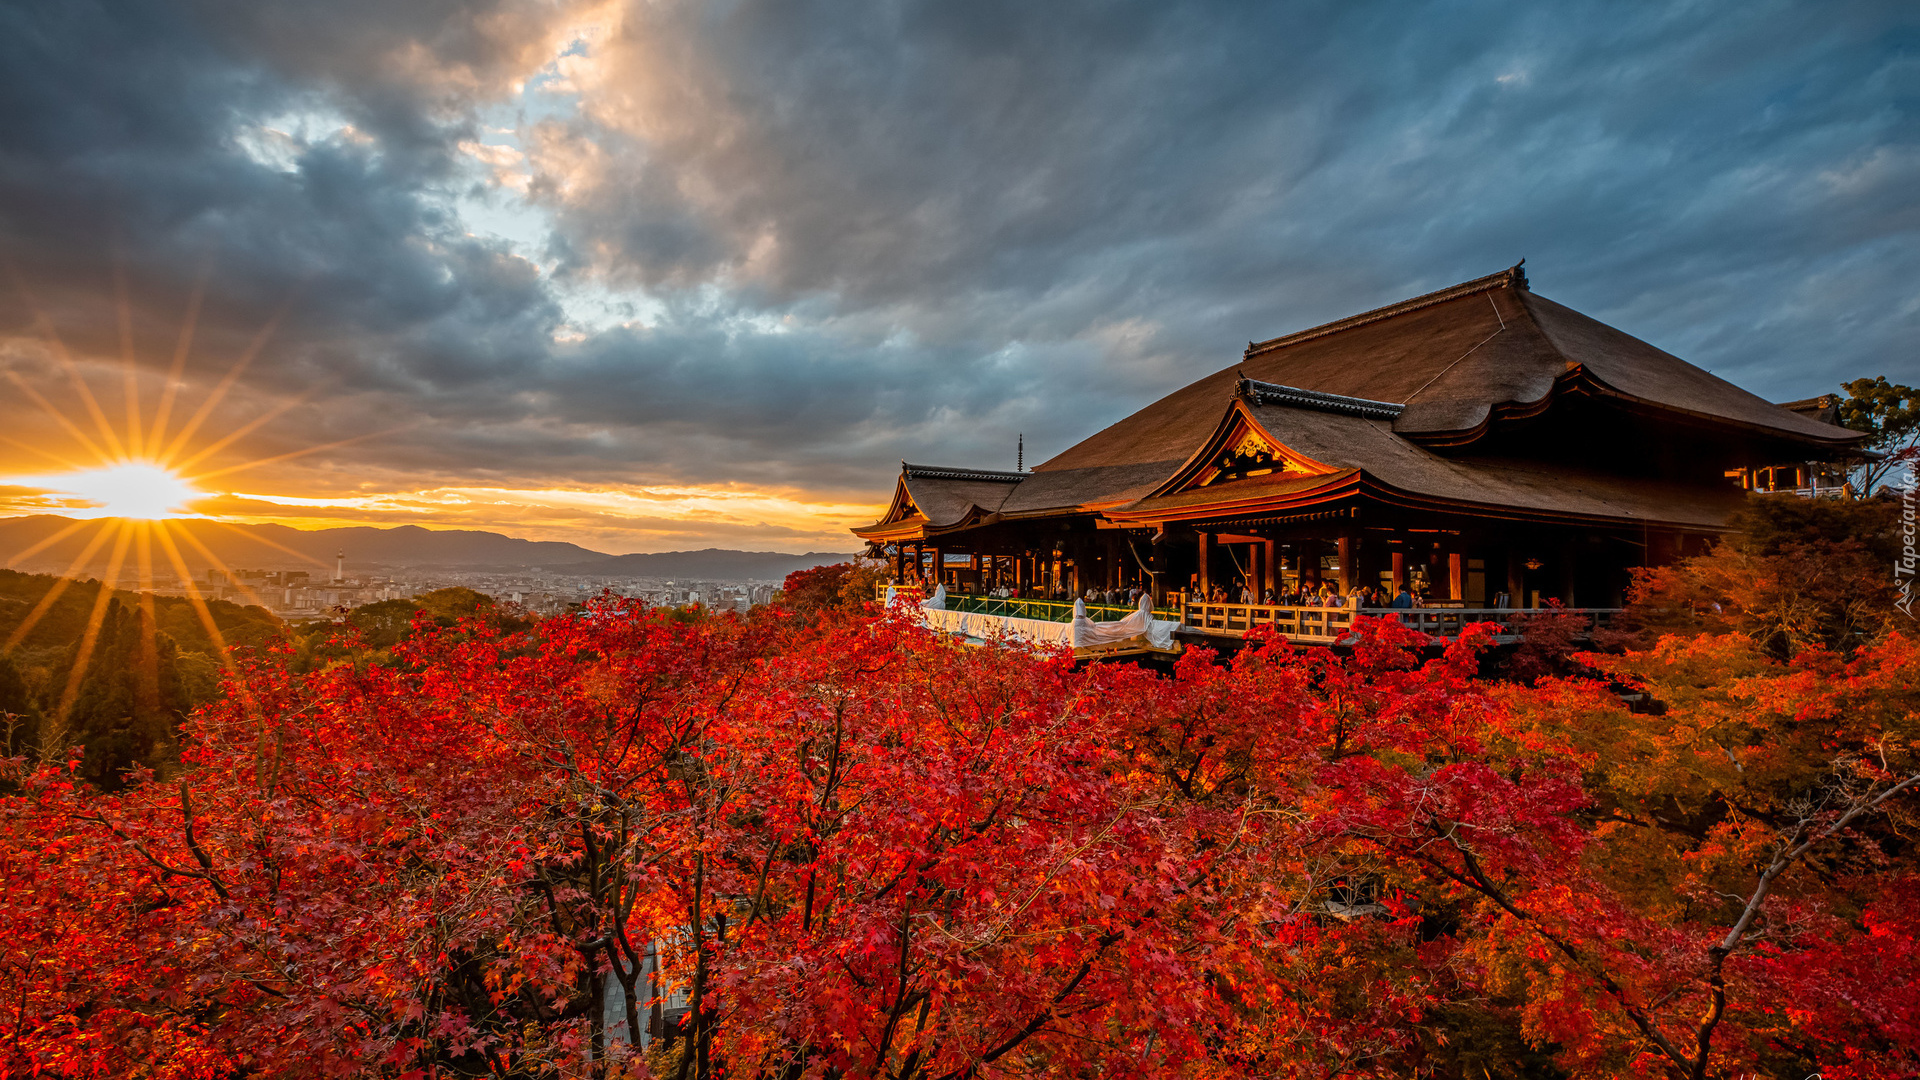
[(659, 275)]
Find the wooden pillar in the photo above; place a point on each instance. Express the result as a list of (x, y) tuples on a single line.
[(1516, 578), (899, 562), (939, 566), (1349, 551), (1206, 573), (1160, 560), (1399, 570), (1567, 568), (1456, 575), (1270, 562)]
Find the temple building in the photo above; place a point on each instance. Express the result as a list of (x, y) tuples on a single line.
[(1482, 447)]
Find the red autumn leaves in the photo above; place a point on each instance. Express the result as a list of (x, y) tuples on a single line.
[(864, 851)]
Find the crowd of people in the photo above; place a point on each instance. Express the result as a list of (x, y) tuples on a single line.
[(1110, 597), (1322, 594)]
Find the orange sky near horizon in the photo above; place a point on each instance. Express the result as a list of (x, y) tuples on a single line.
[(616, 521), (71, 436)]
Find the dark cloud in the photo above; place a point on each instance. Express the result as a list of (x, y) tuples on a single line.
[(788, 243)]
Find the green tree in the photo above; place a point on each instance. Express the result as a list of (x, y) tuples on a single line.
[(130, 700), (385, 624), (453, 603), (1889, 414), (19, 716)]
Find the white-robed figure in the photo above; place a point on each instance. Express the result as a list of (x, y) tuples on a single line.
[(1158, 632), (936, 602)]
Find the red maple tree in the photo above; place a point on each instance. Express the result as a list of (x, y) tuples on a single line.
[(859, 849)]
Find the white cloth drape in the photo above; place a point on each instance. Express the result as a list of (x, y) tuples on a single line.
[(1081, 632), (1141, 624), (980, 627)]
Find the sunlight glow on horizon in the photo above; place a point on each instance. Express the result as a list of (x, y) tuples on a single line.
[(140, 490)]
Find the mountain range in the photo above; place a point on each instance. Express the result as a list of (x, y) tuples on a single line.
[(44, 543)]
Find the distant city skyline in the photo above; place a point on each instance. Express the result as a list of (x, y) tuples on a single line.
[(653, 277)]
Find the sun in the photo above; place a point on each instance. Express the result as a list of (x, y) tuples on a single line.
[(132, 489), (128, 485)]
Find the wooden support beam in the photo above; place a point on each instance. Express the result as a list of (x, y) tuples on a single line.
[(1399, 570), (1349, 551), (1269, 560), (1568, 564), (1206, 572), (1456, 575)]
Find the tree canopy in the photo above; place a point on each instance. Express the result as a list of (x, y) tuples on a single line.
[(1889, 413), (857, 848)]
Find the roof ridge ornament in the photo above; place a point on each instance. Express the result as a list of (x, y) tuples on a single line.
[(1266, 393), (944, 472)]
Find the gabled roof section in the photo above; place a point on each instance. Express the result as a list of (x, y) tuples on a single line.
[(933, 498), (1825, 408), (1364, 456), (1242, 449)]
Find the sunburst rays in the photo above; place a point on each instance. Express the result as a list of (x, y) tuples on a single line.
[(142, 440)]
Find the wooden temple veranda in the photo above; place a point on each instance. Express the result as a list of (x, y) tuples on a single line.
[(1489, 449)]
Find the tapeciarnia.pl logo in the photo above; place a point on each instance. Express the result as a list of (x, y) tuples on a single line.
[(1903, 567)]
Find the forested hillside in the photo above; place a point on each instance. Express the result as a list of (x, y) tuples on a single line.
[(150, 661), (116, 673)]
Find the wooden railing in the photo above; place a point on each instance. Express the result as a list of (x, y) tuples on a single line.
[(1305, 623), (1326, 625), (1299, 622)]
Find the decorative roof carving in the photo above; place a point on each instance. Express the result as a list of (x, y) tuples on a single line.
[(1266, 393)]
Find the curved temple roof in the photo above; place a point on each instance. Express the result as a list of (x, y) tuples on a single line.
[(1373, 391)]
